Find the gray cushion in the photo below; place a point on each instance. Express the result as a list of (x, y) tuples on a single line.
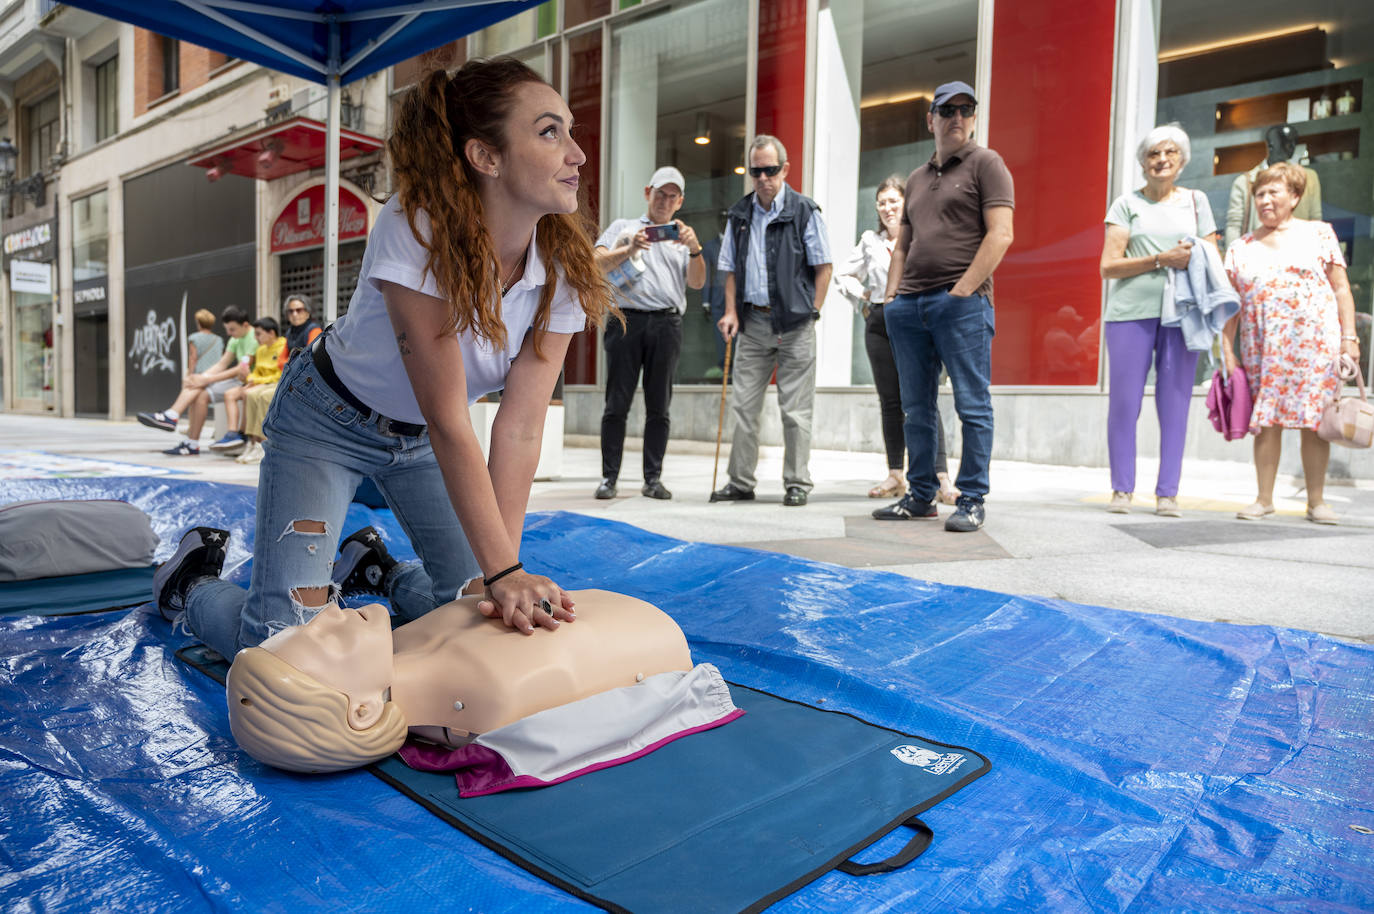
[(48, 539)]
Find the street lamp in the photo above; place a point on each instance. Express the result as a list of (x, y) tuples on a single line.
[(33, 187)]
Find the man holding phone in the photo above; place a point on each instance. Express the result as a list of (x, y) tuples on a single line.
[(651, 340), (776, 262)]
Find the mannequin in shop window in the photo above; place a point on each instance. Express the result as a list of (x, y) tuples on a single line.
[(1281, 141)]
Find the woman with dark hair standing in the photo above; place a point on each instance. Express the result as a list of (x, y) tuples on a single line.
[(476, 275), (863, 280)]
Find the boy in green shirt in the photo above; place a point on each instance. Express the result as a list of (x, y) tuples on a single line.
[(199, 390)]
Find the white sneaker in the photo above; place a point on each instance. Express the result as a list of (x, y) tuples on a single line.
[(1120, 504), (252, 454)]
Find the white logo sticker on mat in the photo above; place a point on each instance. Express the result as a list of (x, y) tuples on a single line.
[(934, 762)]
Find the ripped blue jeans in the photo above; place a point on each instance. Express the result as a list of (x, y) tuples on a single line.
[(318, 449)]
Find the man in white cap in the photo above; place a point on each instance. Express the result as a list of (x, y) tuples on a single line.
[(651, 260)]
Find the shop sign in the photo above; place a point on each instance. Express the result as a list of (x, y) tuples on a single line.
[(300, 224), (89, 296), (34, 242), (28, 276)]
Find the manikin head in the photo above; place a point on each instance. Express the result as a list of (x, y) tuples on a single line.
[(314, 697), (1281, 141)]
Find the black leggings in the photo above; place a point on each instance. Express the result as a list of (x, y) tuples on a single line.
[(890, 395)]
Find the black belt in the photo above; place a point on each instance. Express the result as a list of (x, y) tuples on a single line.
[(319, 354), (762, 309)]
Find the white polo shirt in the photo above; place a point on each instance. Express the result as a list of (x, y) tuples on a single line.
[(362, 344), (663, 286)]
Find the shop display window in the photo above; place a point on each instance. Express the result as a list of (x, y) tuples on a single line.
[(1230, 71), (677, 85)]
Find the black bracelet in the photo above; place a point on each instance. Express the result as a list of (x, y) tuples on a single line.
[(487, 582)]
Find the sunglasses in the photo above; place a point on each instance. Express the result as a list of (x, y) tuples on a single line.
[(758, 171), (950, 110), (297, 311)]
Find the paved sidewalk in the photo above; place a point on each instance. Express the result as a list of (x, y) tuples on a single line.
[(1047, 531)]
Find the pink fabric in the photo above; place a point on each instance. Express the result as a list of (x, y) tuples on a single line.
[(480, 770), (1229, 404)]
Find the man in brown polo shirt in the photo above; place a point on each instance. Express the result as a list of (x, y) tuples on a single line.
[(956, 226)]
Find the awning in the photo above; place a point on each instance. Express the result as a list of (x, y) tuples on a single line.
[(280, 149)]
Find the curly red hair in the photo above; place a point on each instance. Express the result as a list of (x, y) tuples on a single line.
[(433, 124)]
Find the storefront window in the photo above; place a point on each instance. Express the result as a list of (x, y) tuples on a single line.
[(1231, 71), (677, 98), (584, 101), (33, 349), (90, 236), (890, 78)]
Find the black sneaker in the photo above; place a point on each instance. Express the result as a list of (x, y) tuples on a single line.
[(200, 555), (967, 517), (655, 489), (606, 489), (908, 508), (363, 563), (731, 492)]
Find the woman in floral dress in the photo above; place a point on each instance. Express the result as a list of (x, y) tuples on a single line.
[(1297, 317)]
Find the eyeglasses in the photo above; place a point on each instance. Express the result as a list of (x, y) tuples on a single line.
[(950, 110), (758, 171)]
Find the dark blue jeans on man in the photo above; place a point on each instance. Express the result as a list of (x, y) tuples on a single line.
[(929, 329)]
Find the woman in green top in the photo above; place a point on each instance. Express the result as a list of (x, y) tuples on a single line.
[(1147, 231)]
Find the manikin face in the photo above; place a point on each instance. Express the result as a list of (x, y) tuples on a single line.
[(766, 187), (1274, 202), (539, 165), (954, 131), (664, 202), (1164, 161), (890, 209), (346, 649)]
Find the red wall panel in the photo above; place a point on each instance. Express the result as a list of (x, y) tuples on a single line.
[(1051, 122), (782, 79)]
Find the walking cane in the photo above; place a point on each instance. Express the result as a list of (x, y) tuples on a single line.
[(720, 426)]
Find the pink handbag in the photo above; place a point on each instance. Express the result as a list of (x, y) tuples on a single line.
[(1348, 421), (1229, 404)]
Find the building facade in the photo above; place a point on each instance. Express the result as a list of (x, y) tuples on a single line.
[(153, 178), (173, 179), (1066, 91)]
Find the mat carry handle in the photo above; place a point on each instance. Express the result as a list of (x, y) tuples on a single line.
[(914, 848)]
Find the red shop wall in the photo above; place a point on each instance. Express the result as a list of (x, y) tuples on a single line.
[(781, 110), (1051, 122)]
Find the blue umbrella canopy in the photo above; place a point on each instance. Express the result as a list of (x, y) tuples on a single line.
[(313, 39)]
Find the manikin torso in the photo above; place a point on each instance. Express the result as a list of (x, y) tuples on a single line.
[(455, 673)]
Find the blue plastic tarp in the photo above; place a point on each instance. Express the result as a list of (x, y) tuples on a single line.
[(1140, 762)]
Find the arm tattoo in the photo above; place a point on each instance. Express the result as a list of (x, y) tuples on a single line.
[(402, 345)]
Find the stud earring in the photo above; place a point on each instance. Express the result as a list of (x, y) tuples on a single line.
[(495, 173)]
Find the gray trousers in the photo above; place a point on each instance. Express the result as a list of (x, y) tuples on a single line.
[(758, 351)]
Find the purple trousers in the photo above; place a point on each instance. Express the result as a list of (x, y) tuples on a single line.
[(1131, 347)]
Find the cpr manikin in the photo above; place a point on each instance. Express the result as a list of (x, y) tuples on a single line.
[(343, 689)]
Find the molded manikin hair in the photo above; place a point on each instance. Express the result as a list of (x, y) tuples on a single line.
[(1171, 133), (289, 720)]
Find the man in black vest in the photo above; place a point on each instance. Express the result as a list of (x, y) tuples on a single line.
[(775, 258)]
